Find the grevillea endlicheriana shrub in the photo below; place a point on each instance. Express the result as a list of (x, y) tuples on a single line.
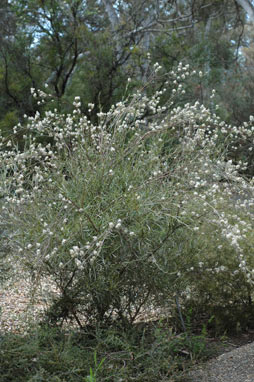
[(130, 212)]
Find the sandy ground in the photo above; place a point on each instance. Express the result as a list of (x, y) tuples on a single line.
[(19, 308)]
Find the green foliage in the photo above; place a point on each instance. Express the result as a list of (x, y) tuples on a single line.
[(72, 47), (112, 227), (126, 208), (140, 211), (6, 124), (97, 79), (119, 216), (146, 353), (94, 371)]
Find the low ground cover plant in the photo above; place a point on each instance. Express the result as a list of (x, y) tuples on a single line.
[(143, 209), (144, 353)]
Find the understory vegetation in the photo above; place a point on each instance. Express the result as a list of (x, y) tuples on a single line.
[(148, 209)]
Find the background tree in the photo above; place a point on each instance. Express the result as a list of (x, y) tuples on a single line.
[(92, 47)]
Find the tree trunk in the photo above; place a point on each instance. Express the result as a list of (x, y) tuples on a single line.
[(248, 6), (112, 15), (114, 21)]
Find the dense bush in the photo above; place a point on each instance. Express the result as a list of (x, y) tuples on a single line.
[(131, 212)]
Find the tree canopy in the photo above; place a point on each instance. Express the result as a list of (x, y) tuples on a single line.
[(92, 48)]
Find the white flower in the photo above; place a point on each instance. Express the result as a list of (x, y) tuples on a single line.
[(78, 264)]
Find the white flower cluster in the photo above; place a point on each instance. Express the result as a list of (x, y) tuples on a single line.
[(196, 185)]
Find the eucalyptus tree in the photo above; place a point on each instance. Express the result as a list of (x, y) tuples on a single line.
[(248, 6), (15, 68), (58, 30), (92, 47)]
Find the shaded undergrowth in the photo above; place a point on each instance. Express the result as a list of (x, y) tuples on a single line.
[(145, 352)]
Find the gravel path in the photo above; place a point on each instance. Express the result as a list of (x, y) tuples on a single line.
[(234, 366), (19, 309)]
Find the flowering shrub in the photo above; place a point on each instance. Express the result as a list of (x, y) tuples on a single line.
[(132, 211)]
